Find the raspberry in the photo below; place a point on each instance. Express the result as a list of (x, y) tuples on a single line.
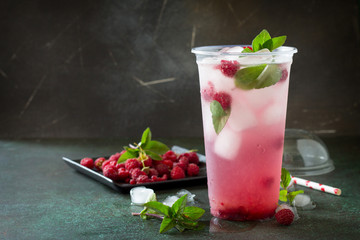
[(193, 169), (99, 162), (229, 68), (143, 179), (193, 157), (108, 162), (249, 47), (132, 163), (208, 93), (115, 156), (224, 99), (182, 165), (284, 75), (120, 165), (132, 181), (284, 216), (87, 162), (148, 162), (157, 179), (170, 155), (123, 173), (162, 169), (177, 173), (136, 172), (169, 163), (153, 172), (110, 172)]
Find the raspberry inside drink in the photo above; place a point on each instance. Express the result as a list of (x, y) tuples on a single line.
[(244, 154)]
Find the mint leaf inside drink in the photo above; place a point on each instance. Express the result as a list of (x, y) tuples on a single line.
[(219, 116), (246, 78)]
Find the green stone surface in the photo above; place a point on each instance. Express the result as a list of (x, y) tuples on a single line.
[(43, 198)]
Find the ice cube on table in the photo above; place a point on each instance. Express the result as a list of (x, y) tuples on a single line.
[(304, 202), (190, 197), (227, 144), (169, 200), (141, 195)]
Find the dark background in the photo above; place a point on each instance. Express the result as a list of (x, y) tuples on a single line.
[(86, 68)]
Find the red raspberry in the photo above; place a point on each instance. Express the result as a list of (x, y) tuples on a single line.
[(229, 68), (285, 216), (249, 47), (153, 172), (136, 172), (132, 163), (155, 178), (108, 162), (162, 169), (123, 173), (99, 162), (193, 169), (115, 157), (193, 157), (224, 99), (208, 93), (120, 165), (87, 162), (177, 173), (284, 75), (170, 155), (110, 172), (143, 179), (148, 162), (164, 177), (169, 163), (132, 181), (183, 165)]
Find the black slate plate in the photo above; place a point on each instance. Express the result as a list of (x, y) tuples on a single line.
[(125, 187)]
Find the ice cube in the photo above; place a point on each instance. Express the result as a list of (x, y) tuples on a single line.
[(227, 144), (273, 114), (258, 98), (304, 202), (209, 131), (251, 60), (190, 197), (236, 49), (169, 200), (241, 117), (141, 195)]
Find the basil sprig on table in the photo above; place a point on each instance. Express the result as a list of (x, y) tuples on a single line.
[(146, 147), (263, 75)]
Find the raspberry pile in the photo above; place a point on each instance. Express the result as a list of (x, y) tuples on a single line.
[(134, 171)]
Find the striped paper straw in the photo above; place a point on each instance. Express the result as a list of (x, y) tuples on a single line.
[(316, 186)]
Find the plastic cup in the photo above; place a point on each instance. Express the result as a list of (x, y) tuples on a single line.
[(244, 100)]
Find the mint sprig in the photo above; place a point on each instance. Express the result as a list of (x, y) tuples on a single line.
[(264, 40), (146, 148), (179, 215), (284, 194), (219, 116)]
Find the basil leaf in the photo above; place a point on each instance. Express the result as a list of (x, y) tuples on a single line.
[(146, 137), (156, 147), (246, 78), (260, 39), (179, 206), (219, 116), (130, 153), (159, 207), (167, 224), (285, 178), (193, 213), (282, 195)]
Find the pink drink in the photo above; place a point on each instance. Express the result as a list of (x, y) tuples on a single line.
[(244, 159)]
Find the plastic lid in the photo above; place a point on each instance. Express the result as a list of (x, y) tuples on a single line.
[(305, 154)]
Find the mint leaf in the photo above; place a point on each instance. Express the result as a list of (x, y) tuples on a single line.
[(260, 39), (159, 207), (270, 76), (146, 137), (156, 147), (193, 213), (247, 50), (283, 195), (292, 195), (274, 43), (153, 155), (130, 153), (246, 78), (179, 206), (219, 116), (167, 224), (285, 178)]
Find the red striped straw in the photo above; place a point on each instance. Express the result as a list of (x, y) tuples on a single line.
[(316, 186)]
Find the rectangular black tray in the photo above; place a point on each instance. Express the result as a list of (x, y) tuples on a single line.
[(125, 187)]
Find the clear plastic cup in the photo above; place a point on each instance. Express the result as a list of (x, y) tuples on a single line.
[(244, 125)]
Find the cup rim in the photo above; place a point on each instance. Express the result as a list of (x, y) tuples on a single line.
[(215, 50)]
